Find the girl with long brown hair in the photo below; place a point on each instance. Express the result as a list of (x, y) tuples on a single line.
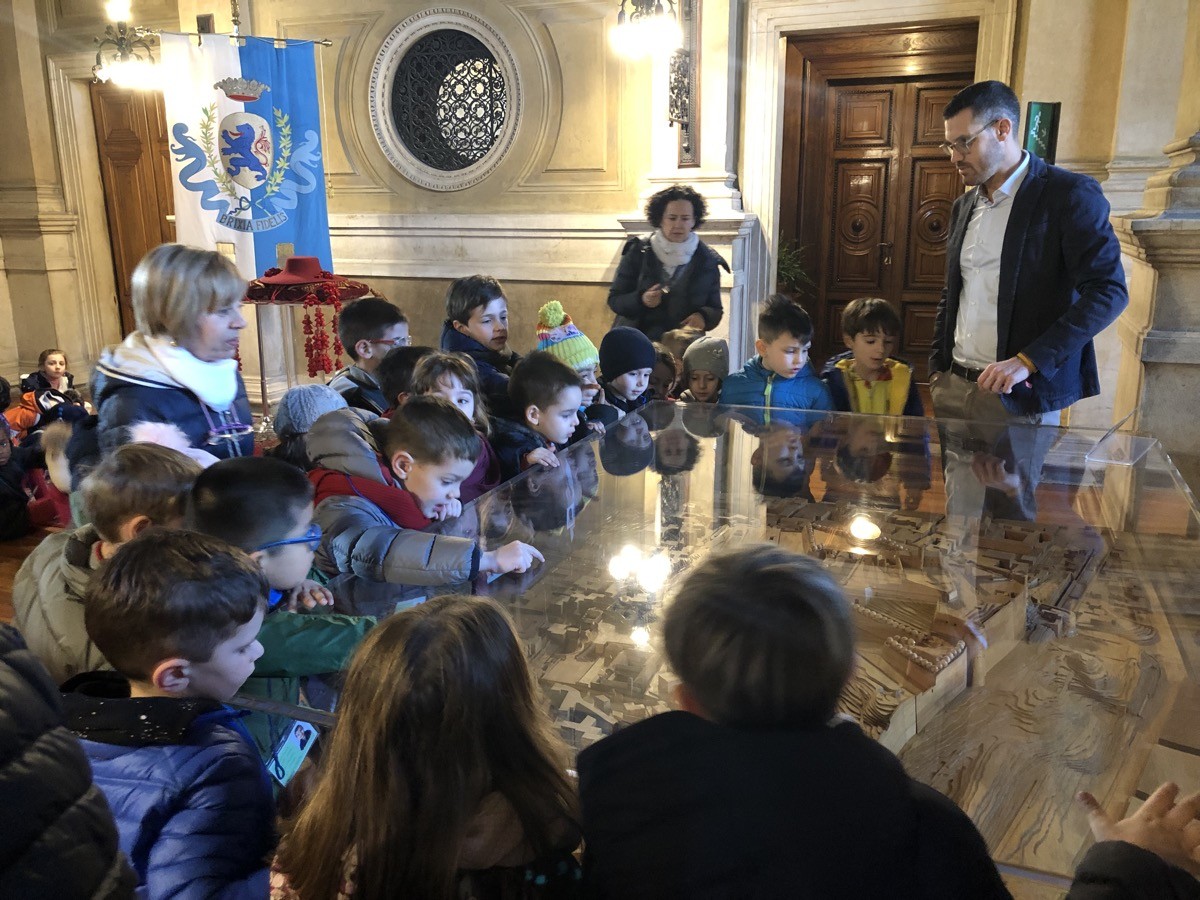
[(443, 777)]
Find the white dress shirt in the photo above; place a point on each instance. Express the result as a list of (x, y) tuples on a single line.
[(975, 337)]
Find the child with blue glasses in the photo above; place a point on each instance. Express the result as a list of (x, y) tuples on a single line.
[(265, 507)]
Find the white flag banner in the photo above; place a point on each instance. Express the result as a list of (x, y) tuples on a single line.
[(246, 148)]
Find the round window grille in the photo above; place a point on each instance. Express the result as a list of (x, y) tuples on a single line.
[(449, 100), (444, 99)]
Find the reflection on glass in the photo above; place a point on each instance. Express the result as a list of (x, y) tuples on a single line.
[(1053, 621)]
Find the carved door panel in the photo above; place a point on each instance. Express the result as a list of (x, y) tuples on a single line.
[(929, 186), (131, 137), (887, 207)]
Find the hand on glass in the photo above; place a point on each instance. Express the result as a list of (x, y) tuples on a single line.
[(1167, 829), (652, 296), (512, 557), (308, 595), (695, 320), (1001, 377), (543, 455)]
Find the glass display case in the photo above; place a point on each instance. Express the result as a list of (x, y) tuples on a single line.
[(1025, 597)]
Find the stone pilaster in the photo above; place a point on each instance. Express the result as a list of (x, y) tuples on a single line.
[(1151, 81), (1160, 332)]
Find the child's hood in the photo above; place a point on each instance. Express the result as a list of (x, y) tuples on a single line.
[(350, 441), (494, 836), (99, 708), (510, 431), (454, 340)]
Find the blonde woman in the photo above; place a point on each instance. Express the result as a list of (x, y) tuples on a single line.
[(180, 366)]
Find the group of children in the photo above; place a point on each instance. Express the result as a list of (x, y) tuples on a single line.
[(444, 775), (525, 409)]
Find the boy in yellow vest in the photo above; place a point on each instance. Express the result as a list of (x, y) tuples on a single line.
[(867, 378)]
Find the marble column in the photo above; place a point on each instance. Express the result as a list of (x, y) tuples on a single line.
[(1151, 80), (33, 222), (1160, 332)]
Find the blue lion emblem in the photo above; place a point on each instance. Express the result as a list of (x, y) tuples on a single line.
[(240, 144)]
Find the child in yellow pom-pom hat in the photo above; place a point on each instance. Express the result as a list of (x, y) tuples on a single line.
[(559, 336)]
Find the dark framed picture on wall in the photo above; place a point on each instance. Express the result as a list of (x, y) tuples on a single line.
[(1041, 128)]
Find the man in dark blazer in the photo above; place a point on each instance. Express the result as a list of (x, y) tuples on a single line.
[(1033, 274), (1060, 280)]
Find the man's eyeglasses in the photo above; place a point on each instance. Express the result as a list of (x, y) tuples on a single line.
[(963, 145), (312, 537), (393, 343)]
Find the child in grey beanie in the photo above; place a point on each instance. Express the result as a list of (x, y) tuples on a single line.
[(295, 414), (705, 365)]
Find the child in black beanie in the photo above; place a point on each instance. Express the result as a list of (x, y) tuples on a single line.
[(626, 360)]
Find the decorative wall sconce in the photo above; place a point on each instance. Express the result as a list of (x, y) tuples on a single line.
[(645, 27), (123, 55), (684, 107)]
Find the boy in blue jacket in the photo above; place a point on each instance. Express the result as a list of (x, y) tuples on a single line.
[(177, 614), (477, 325), (779, 377), (867, 378)]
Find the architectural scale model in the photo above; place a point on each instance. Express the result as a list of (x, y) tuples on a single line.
[(938, 601)]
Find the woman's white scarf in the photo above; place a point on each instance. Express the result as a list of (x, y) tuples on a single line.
[(673, 255), (159, 360)]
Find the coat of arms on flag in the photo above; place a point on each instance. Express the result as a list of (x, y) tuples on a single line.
[(246, 150)]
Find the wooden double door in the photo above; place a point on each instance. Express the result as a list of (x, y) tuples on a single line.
[(135, 166), (872, 187)]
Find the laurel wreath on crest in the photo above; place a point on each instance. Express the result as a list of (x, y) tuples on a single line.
[(208, 121), (283, 123)]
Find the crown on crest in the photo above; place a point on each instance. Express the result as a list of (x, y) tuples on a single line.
[(244, 90)]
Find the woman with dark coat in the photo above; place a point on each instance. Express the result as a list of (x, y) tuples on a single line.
[(59, 837), (670, 279), (180, 365)]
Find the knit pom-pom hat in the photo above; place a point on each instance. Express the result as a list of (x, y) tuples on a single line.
[(558, 336)]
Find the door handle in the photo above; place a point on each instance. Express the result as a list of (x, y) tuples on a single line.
[(887, 252)]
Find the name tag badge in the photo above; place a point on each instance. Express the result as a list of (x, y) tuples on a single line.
[(291, 751)]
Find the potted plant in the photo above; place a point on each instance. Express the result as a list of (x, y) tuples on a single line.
[(791, 272)]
